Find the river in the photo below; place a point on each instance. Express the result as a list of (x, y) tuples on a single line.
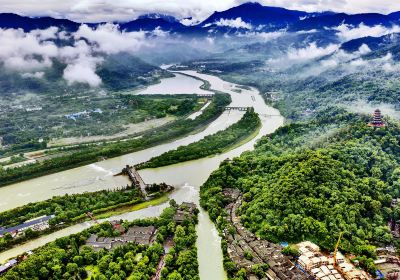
[(187, 177)]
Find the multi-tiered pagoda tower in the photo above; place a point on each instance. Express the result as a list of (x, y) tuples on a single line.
[(377, 119)]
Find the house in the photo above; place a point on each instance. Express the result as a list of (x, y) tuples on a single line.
[(135, 234), (10, 264), (185, 210), (36, 224)]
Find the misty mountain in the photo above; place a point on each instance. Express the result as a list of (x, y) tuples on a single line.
[(117, 71), (245, 17), (374, 43), (256, 14), (8, 20), (333, 20), (150, 23)]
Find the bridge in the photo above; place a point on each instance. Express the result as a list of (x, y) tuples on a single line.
[(135, 177), (207, 96), (230, 108)]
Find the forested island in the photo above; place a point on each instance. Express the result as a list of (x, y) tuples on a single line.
[(314, 180), (87, 154), (211, 144)]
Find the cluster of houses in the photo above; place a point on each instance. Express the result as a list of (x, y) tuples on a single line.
[(243, 242), (387, 262), (143, 235), (323, 267), (185, 210), (83, 114), (135, 234), (36, 224)]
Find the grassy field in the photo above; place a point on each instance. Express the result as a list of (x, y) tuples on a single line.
[(135, 207)]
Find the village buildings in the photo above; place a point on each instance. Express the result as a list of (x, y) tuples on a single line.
[(322, 267), (135, 234), (36, 224)]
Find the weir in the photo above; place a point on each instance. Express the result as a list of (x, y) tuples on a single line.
[(207, 96), (135, 177), (229, 108)]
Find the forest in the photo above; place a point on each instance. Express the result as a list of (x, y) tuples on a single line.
[(209, 145), (313, 180), (69, 258), (93, 153)]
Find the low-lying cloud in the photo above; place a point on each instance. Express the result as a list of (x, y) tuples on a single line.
[(32, 52), (348, 32), (109, 39), (26, 51), (311, 51), (232, 23)]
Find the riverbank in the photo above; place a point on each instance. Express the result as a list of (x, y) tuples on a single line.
[(210, 145)]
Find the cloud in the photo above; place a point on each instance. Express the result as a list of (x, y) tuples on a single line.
[(26, 51), (122, 10), (264, 36), (37, 75), (311, 51), (82, 72), (364, 49), (81, 64), (233, 23), (109, 39), (35, 50), (364, 107), (347, 32)]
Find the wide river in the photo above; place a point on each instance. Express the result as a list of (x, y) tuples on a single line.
[(187, 177)]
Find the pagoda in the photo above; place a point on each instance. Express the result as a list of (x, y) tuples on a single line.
[(377, 120)]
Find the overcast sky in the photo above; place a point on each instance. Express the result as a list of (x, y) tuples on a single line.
[(122, 10)]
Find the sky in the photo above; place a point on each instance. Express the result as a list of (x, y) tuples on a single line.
[(124, 10)]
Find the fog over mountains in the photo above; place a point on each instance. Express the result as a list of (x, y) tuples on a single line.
[(282, 37)]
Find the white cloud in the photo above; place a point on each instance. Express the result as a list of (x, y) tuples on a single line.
[(37, 75), (311, 51), (348, 32), (82, 72), (364, 49), (111, 10), (34, 51), (109, 39), (158, 32), (264, 36), (26, 51), (233, 23)]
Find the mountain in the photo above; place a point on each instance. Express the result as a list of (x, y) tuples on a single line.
[(258, 15), (149, 24), (374, 43), (333, 20), (27, 24), (241, 18)]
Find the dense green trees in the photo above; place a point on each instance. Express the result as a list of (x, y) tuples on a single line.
[(68, 258), (212, 144), (311, 181)]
